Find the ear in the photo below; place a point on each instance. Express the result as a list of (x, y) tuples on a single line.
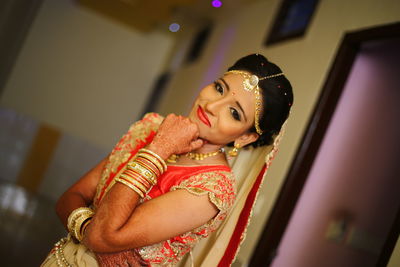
[(246, 139)]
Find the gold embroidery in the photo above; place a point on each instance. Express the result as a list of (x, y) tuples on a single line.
[(219, 186), (137, 134)]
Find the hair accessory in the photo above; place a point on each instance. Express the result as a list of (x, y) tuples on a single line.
[(250, 84), (234, 151)]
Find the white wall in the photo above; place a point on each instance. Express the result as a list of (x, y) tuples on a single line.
[(83, 73)]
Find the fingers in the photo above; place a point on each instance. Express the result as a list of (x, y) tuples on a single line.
[(194, 130), (183, 124), (196, 144), (177, 134)]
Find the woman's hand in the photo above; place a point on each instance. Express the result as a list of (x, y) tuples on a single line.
[(176, 135)]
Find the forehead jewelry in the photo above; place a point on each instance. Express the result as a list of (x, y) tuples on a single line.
[(250, 84)]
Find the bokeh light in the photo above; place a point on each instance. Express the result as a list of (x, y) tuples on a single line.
[(216, 3), (174, 27)]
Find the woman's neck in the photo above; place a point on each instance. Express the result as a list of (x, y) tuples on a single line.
[(207, 148)]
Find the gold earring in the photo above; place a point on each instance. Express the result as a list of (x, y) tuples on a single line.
[(234, 151)]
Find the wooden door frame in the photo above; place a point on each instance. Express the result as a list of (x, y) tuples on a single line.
[(271, 236)]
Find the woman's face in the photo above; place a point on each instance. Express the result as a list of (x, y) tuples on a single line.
[(224, 111)]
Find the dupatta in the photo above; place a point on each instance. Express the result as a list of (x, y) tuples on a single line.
[(250, 169)]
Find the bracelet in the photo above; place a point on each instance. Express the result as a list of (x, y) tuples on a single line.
[(151, 160), (143, 181), (142, 173), (85, 225), (73, 215), (141, 170), (135, 175), (156, 156), (135, 182), (131, 186), (149, 165), (77, 219), (77, 232)]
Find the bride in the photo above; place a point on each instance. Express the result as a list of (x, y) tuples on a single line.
[(167, 185)]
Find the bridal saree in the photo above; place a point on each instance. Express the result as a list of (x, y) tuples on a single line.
[(214, 244)]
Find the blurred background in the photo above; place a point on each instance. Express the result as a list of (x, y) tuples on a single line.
[(75, 74)]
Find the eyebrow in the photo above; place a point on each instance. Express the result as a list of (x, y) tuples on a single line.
[(226, 84), (237, 102)]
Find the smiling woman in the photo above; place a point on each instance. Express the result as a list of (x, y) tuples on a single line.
[(172, 172)]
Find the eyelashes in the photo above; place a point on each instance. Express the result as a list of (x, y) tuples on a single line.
[(233, 111), (235, 114), (218, 87)]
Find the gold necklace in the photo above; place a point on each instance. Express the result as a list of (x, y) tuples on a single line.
[(195, 156)]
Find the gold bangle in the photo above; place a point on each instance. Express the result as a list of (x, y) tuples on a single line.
[(134, 182), (78, 226), (160, 159), (131, 186), (85, 225), (148, 165), (140, 169), (130, 173), (76, 219), (140, 186), (134, 175), (143, 181), (153, 161), (74, 215)]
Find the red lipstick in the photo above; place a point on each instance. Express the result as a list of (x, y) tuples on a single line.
[(203, 116)]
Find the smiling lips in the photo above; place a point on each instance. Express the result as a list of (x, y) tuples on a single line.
[(203, 116)]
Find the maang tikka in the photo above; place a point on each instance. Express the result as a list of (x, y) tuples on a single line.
[(250, 84)]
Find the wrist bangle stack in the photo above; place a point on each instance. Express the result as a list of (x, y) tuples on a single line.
[(158, 160), (142, 173), (78, 220)]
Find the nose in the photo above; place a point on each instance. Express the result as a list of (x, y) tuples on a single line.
[(214, 105)]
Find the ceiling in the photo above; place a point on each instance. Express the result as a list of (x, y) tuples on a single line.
[(149, 15)]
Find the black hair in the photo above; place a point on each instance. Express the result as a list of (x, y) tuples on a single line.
[(276, 93)]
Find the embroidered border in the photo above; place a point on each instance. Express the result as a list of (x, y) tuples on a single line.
[(138, 135), (220, 188)]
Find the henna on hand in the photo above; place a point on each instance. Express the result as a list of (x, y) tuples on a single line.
[(176, 135)]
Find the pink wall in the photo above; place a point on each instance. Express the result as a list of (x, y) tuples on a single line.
[(356, 175)]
